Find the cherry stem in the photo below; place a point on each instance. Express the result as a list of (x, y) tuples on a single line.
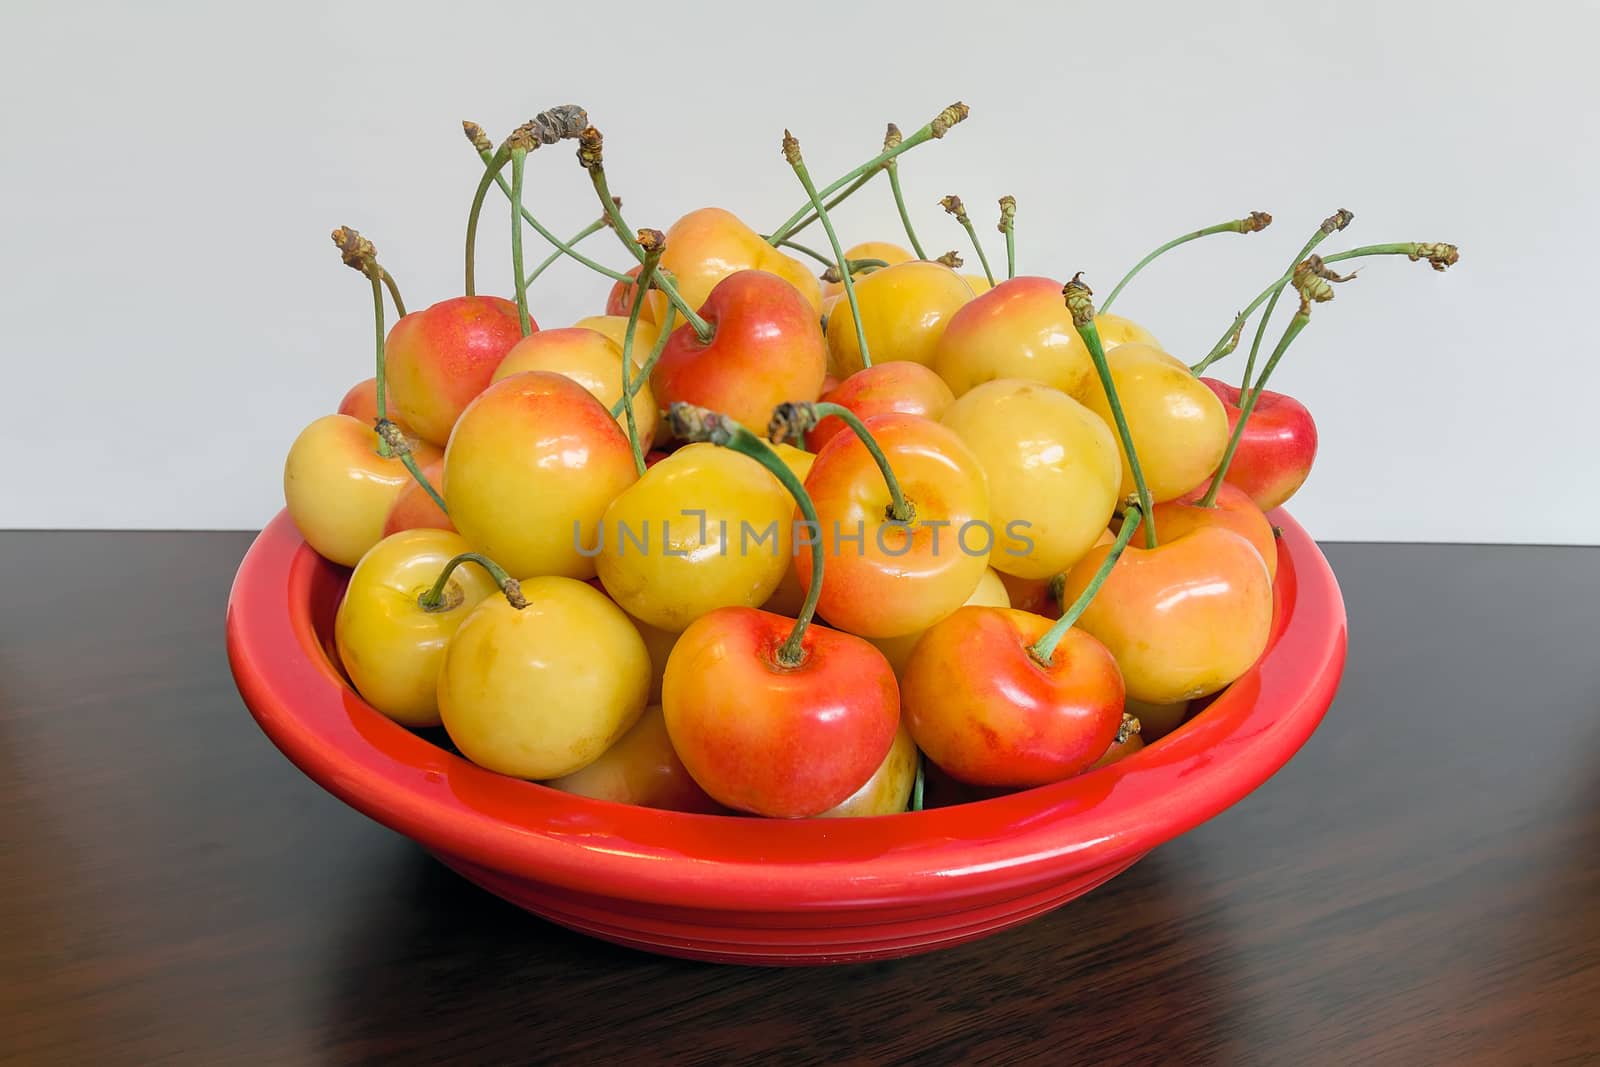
[(797, 418), (493, 163), (954, 206), (900, 205), (1044, 649), (791, 152), (544, 265), (647, 272), (519, 165), (918, 784), (1331, 225), (394, 293), (932, 131), (1082, 307), (1438, 254), (1248, 404), (391, 442), (1256, 220), (811, 216), (642, 375), (691, 423), (1008, 226), (433, 599)]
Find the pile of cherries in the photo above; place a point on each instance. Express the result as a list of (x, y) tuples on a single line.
[(755, 542)]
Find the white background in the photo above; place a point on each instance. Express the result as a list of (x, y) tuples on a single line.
[(172, 311)]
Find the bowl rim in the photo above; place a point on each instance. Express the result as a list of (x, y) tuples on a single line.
[(745, 864)]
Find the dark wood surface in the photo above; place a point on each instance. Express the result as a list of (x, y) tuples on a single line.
[(1420, 885)]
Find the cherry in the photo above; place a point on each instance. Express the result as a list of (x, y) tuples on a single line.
[(904, 311), (415, 508), (889, 789), (588, 358), (1276, 449), (896, 386), (641, 768)]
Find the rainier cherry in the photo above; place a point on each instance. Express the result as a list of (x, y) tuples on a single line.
[(589, 358), (1277, 447), (895, 386), (443, 356), (904, 311), (641, 768), (414, 508), (1018, 329)]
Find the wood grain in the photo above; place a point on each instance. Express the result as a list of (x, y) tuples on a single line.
[(1420, 885)]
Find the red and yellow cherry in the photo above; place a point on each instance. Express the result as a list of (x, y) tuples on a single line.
[(703, 529), (589, 358), (892, 573), (1116, 330), (541, 691), (991, 593), (888, 791), (767, 350), (1277, 448), (391, 637), (985, 707), (1183, 619), (889, 253), (1018, 329), (615, 327), (1052, 467), (413, 508), (439, 358), (1234, 510), (532, 465), (763, 736), (706, 246), (1178, 426), (642, 769), (904, 311), (339, 490), (361, 404), (894, 386)]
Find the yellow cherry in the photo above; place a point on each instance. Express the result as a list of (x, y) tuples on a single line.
[(589, 358), (904, 310), (1019, 329), (542, 691), (615, 327), (641, 768), (889, 253), (1116, 330), (991, 593)]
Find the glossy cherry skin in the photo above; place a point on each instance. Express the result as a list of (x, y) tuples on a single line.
[(767, 350), (990, 593), (1234, 511), (1053, 472), (1019, 329), (1116, 330), (1277, 448), (706, 246), (542, 691), (589, 358), (904, 311), (615, 327), (643, 769), (896, 579), (339, 490), (884, 250), (388, 644), (1178, 427), (985, 710), (888, 791), (894, 386), (668, 566), (774, 740), (413, 508), (1183, 619), (532, 465), (439, 358)]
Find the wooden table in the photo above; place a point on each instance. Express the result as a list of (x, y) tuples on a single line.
[(1420, 885)]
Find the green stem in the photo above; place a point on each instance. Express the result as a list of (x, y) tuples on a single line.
[(394, 293), (804, 250), (918, 784), (1011, 255), (519, 165), (1331, 225), (1044, 649), (391, 442), (1256, 220), (702, 328), (544, 265), (900, 205), (900, 510), (1248, 405), (1439, 255), (642, 375), (647, 271), (493, 163), (433, 599), (528, 217), (792, 153), (966, 223), (1083, 318), (811, 215)]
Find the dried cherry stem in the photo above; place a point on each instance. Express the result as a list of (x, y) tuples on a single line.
[(690, 423), (1439, 255), (519, 165), (1256, 220), (1079, 302), (954, 206), (1008, 226), (434, 599), (892, 137), (654, 243), (1313, 281), (591, 155), (791, 152), (1330, 225), (792, 421), (941, 124), (1044, 649), (594, 227)]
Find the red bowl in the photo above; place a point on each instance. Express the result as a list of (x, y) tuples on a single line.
[(745, 890)]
